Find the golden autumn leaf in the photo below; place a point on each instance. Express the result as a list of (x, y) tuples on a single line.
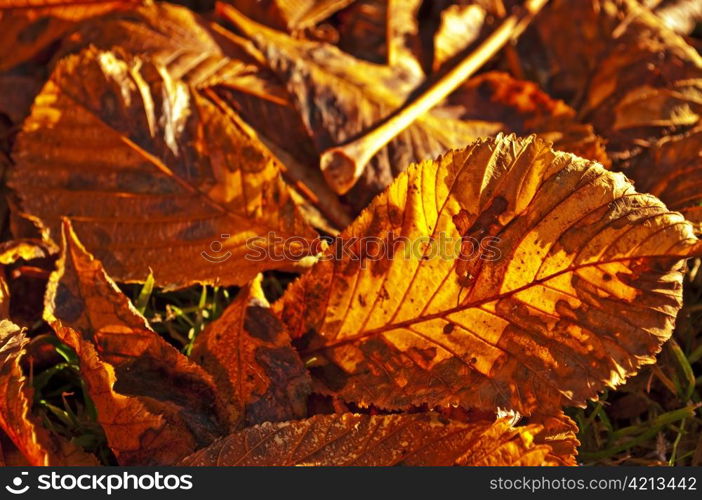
[(502, 275), (258, 373), (29, 26), (226, 68), (559, 432), (175, 174), (154, 404), (385, 440), (37, 444)]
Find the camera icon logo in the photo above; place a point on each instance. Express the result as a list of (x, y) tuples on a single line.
[(16, 488), (217, 256)]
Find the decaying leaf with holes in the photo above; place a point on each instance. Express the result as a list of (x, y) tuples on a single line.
[(174, 176), (37, 444), (502, 275), (258, 373), (423, 439), (154, 404)]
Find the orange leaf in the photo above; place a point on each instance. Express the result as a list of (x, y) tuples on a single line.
[(248, 352), (38, 445), (502, 275), (177, 180), (559, 432), (362, 440), (154, 404)]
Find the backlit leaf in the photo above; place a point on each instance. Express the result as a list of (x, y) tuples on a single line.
[(502, 275)]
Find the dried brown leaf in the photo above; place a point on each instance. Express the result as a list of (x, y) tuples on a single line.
[(37, 444), (362, 440), (174, 176), (258, 374), (636, 81), (154, 404), (28, 27)]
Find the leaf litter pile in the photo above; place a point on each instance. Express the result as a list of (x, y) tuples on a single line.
[(351, 232)]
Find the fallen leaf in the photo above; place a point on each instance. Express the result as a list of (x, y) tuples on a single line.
[(154, 404), (362, 440), (258, 373), (37, 444), (504, 275), (671, 169), (175, 38), (178, 181)]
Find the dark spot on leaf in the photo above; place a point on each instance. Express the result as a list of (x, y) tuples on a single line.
[(448, 328), (331, 375), (31, 33), (79, 181), (144, 181), (68, 307), (286, 396), (260, 322), (197, 230)]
